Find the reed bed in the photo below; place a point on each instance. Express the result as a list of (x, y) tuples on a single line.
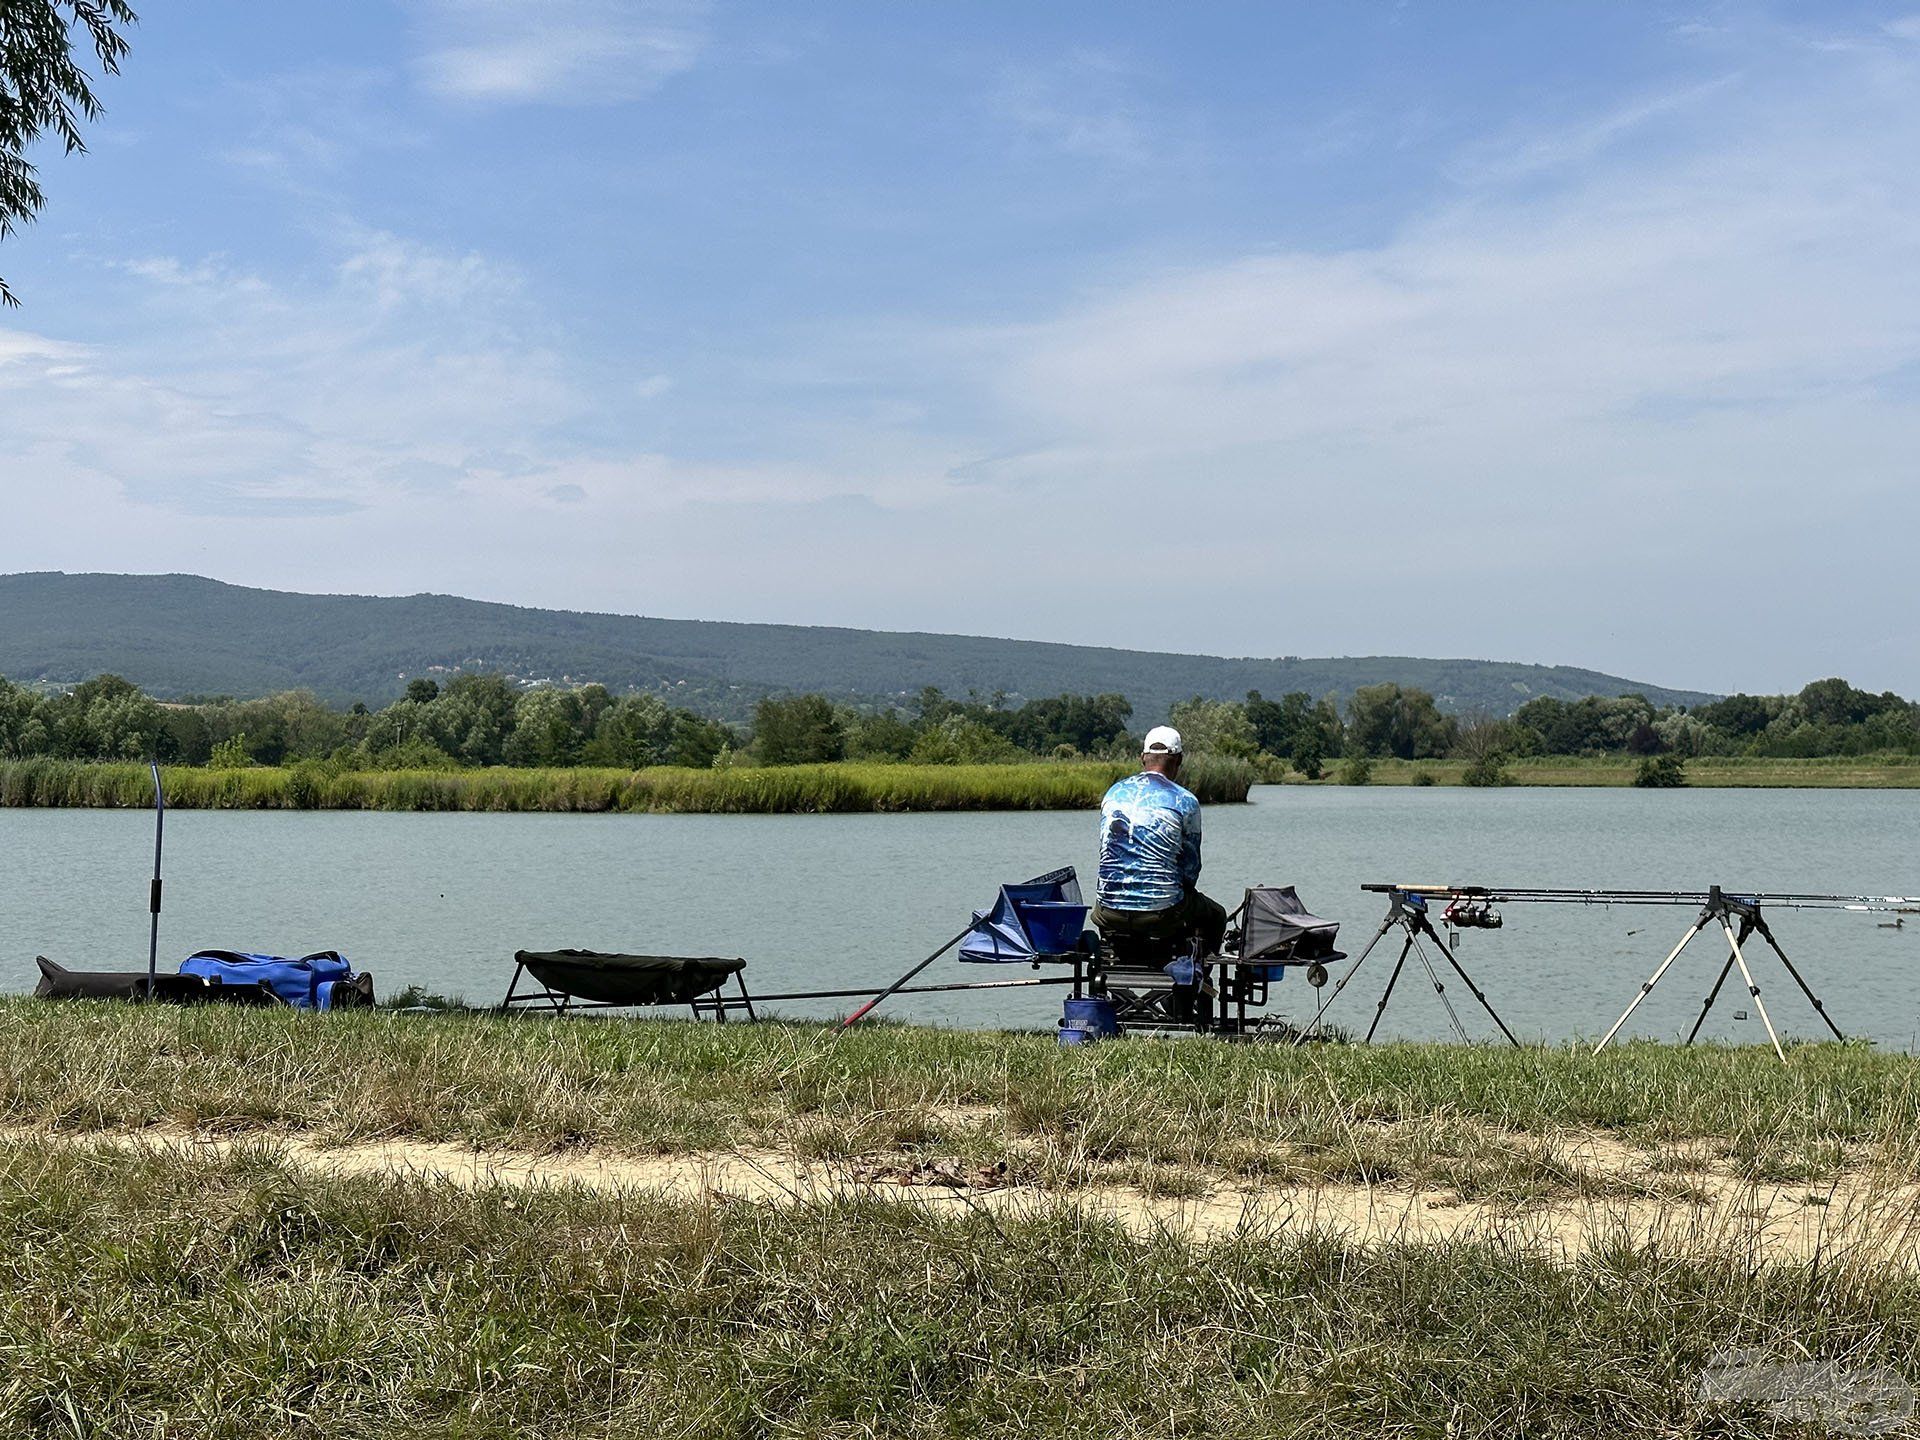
[(795, 789), (1410, 1112), (157, 1294)]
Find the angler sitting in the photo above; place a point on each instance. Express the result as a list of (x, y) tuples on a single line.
[(1150, 855)]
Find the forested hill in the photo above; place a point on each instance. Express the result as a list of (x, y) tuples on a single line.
[(183, 635)]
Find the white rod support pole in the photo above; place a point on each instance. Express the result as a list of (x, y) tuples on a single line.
[(1753, 989), (1647, 989)]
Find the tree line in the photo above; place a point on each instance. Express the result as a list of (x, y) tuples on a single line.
[(472, 720), (483, 720)]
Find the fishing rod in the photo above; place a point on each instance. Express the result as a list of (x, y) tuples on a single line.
[(1737, 915), (1064, 877), (901, 990), (900, 984), (153, 892), (1545, 895)]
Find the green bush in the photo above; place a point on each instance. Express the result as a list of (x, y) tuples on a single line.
[(1356, 770), (1487, 770), (1660, 772)]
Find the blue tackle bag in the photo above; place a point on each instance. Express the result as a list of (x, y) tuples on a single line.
[(320, 981)]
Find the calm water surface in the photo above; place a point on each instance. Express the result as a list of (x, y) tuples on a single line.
[(831, 901)]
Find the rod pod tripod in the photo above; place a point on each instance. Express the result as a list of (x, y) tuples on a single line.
[(1726, 909), (1408, 912)]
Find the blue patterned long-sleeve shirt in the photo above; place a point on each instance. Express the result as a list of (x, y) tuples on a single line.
[(1149, 843)]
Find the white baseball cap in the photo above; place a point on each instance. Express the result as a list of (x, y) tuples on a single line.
[(1161, 740)]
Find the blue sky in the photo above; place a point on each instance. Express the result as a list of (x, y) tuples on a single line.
[(1585, 334)]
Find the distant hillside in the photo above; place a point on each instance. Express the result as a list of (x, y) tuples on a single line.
[(181, 634)]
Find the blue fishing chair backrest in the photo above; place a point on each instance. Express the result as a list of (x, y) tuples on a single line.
[(306, 984), (1042, 916)]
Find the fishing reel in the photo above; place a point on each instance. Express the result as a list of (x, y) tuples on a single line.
[(1471, 915)]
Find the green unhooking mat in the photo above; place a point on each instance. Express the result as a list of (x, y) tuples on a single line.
[(628, 979)]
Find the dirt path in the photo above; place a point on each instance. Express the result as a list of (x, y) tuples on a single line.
[(1860, 1213)]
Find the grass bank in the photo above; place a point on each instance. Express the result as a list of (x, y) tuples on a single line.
[(1850, 772), (795, 789), (1138, 1113), (162, 1295)]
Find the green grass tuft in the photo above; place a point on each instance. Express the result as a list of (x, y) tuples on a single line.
[(225, 1299)]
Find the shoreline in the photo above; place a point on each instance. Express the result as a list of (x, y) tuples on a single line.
[(1880, 772)]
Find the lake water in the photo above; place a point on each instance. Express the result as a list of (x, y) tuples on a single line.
[(819, 902)]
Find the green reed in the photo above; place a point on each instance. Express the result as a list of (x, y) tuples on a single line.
[(745, 790)]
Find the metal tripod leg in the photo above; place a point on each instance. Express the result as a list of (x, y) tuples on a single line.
[(1753, 989), (1712, 995), (1341, 984), (1647, 988), (1453, 1017), (1460, 970), (1766, 933), (1387, 994)]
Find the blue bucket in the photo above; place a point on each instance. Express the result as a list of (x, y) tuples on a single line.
[(1053, 926), (1070, 1036), (1092, 1014)]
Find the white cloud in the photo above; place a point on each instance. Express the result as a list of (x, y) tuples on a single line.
[(406, 390), (577, 52), (1084, 105), (1539, 152), (1606, 386)]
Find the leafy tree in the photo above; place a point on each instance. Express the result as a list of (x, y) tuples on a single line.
[(1389, 720), (697, 741), (1078, 722), (1082, 723), (1685, 734), (1740, 715), (962, 740), (1836, 703), (401, 722), (471, 717), (931, 706), (797, 730), (422, 691), (107, 718), (1215, 727), (23, 726), (1296, 727), (43, 89), (123, 727), (1643, 739), (547, 729), (1587, 726), (633, 732), (1309, 759), (883, 735)]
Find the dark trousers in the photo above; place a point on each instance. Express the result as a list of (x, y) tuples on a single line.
[(1194, 915)]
